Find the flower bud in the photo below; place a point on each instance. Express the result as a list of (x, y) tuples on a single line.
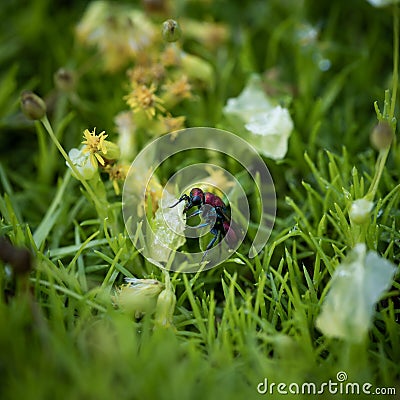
[(360, 211), (112, 151), (381, 136), (139, 296), (165, 308), (32, 105), (64, 80), (171, 31)]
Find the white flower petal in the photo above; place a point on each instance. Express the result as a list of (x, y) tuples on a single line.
[(382, 3), (168, 227), (250, 102), (357, 284), (82, 163), (360, 210), (271, 131), (269, 127)]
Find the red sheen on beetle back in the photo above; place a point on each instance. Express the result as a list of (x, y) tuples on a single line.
[(213, 200), (230, 233)]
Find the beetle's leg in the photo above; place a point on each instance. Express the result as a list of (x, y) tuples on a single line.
[(198, 212), (208, 216), (188, 206), (216, 234)]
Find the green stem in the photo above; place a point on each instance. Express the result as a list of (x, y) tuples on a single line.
[(379, 167), (43, 169), (59, 129), (383, 154), (395, 59), (53, 137)]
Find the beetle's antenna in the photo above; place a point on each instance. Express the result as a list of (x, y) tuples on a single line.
[(182, 198)]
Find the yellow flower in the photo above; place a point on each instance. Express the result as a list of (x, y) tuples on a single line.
[(143, 98), (99, 147), (179, 89), (173, 124), (138, 75), (157, 71), (218, 179), (94, 144), (117, 173), (144, 75)]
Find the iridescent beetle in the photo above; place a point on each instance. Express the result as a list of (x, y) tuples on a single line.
[(218, 215)]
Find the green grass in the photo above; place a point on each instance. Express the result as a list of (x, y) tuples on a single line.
[(248, 319)]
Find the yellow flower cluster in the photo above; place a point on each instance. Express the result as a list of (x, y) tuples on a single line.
[(103, 152), (120, 34), (157, 86), (160, 76), (142, 98)]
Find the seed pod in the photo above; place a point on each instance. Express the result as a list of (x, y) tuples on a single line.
[(112, 152), (382, 136), (165, 304), (360, 211), (171, 31), (65, 80), (32, 105), (165, 307)]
